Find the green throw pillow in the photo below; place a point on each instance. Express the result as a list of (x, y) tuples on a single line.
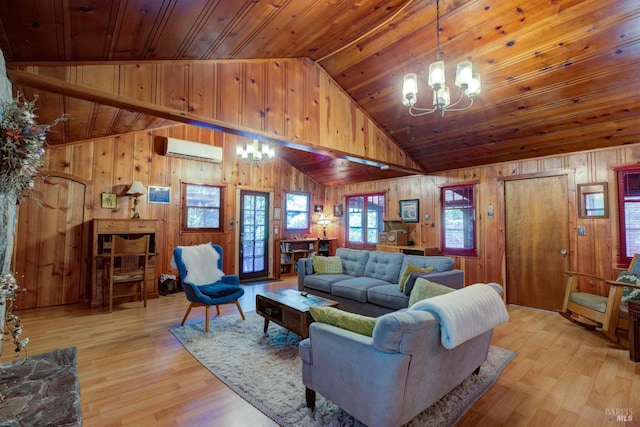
[(357, 323), (410, 268), (424, 289), (327, 265), (627, 292)]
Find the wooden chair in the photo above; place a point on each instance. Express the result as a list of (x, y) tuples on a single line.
[(608, 313), (127, 268)]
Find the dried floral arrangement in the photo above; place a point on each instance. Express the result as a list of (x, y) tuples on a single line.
[(22, 142), (8, 289)]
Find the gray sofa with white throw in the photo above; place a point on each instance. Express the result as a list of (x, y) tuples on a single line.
[(369, 280), (413, 358)]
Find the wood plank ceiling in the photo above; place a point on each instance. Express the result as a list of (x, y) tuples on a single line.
[(558, 76)]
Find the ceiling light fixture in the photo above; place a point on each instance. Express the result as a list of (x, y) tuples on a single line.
[(256, 152), (466, 80)]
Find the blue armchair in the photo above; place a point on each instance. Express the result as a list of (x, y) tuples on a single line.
[(226, 290)]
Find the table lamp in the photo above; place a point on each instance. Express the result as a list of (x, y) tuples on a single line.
[(136, 190), (324, 221)]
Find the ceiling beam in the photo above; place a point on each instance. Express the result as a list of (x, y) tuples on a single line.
[(60, 87)]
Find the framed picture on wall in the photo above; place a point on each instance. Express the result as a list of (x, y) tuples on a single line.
[(337, 209), (410, 210), (159, 194), (109, 201)]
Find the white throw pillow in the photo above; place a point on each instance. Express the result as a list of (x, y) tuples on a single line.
[(201, 262)]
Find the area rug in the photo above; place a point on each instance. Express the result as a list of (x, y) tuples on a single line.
[(41, 390), (266, 371)]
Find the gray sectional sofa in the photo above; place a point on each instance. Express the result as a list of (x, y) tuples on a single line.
[(368, 283)]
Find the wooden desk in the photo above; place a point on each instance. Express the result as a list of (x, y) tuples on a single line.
[(101, 232), (409, 250)]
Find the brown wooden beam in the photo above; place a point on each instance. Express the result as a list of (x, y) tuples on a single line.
[(64, 88)]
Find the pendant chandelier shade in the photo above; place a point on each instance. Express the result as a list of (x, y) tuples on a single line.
[(255, 152), (466, 80)]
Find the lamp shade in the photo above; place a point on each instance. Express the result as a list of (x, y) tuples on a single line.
[(136, 189), (324, 221), (464, 75)]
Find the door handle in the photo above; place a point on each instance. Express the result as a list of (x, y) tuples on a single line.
[(563, 252)]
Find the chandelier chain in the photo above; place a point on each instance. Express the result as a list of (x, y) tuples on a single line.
[(439, 53)]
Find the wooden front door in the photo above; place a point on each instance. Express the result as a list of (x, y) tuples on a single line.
[(48, 252), (537, 241)]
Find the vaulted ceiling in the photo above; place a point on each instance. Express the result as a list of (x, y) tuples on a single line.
[(558, 76)]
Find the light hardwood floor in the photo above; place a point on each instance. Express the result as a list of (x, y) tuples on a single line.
[(133, 372)]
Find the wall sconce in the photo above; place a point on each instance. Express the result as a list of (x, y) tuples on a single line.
[(324, 221), (136, 190)]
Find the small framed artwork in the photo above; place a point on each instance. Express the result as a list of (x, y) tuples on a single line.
[(317, 208), (109, 201), (410, 210), (276, 214), (159, 194), (337, 209)]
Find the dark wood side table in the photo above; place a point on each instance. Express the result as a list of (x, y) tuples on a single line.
[(634, 330)]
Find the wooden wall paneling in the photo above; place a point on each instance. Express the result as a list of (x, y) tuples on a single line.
[(255, 95), (311, 107), (230, 92), (296, 108), (173, 88), (275, 97), (203, 78), (105, 182), (138, 81)]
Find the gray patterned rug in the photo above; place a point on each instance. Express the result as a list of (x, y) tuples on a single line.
[(266, 371), (41, 390)]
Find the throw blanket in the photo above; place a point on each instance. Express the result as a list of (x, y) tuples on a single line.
[(466, 313)]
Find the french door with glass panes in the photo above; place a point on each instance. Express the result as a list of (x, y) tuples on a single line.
[(254, 235)]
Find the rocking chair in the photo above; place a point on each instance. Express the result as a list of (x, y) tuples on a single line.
[(608, 314)]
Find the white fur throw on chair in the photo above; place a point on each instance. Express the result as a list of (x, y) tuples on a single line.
[(202, 264)]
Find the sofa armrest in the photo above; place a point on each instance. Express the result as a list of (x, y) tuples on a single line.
[(453, 278), (304, 267), (333, 353)]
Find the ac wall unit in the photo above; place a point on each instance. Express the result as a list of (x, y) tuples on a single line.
[(192, 150)]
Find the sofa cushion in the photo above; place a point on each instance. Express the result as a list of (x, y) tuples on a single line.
[(355, 288), (344, 320), (384, 266), (327, 265), (424, 289), (323, 282), (387, 296), (439, 263), (353, 261), (410, 268)]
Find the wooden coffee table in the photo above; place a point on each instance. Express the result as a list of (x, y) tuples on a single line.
[(289, 309)]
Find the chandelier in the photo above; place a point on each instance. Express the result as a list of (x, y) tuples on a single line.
[(467, 82), (256, 152)]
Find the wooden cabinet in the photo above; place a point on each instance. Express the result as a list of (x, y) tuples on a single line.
[(409, 250), (327, 247), (288, 252), (102, 231)]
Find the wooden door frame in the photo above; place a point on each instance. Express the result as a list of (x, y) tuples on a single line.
[(270, 241), (572, 213)]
